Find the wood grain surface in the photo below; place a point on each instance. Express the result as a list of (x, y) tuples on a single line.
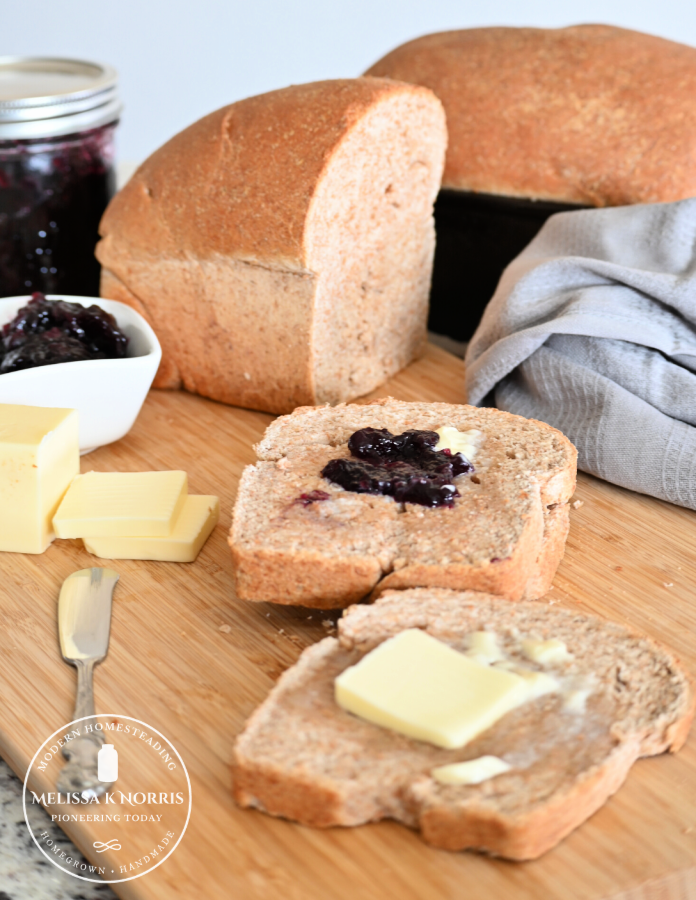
[(192, 661)]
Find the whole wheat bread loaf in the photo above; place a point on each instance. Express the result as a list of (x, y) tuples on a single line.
[(590, 114), (505, 534), (282, 246), (304, 758)]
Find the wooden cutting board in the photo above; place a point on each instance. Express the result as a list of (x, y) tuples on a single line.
[(175, 665)]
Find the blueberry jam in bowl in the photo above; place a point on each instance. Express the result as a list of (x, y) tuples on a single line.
[(107, 392), (46, 332)]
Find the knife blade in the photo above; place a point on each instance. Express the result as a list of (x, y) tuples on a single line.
[(84, 624), (84, 614)]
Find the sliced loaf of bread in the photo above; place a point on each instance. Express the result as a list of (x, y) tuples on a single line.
[(505, 533), (282, 246), (621, 697)]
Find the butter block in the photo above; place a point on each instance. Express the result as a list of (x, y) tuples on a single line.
[(473, 771), (39, 457), (121, 504), (421, 687), (191, 530)]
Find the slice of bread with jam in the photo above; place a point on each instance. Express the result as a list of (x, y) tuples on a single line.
[(300, 538)]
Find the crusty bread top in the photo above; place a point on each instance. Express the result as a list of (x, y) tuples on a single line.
[(590, 114), (240, 182), (518, 445)]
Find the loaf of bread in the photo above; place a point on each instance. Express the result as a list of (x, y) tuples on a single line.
[(504, 534), (282, 247), (590, 114), (621, 696)]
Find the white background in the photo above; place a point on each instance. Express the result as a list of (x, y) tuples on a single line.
[(180, 59)]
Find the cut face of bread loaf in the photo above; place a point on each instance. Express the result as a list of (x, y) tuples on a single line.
[(505, 533), (589, 114), (304, 758), (282, 247)]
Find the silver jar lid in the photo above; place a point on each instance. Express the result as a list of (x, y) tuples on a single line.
[(44, 97)]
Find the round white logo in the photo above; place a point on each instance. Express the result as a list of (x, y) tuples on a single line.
[(117, 785)]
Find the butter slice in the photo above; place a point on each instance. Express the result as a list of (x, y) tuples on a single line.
[(473, 771), (121, 504), (191, 530), (575, 701), (464, 442), (546, 652), (484, 647), (39, 457), (421, 687), (538, 683)]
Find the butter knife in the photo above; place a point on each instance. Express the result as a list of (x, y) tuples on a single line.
[(84, 622)]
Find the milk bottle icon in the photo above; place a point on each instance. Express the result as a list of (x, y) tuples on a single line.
[(107, 764)]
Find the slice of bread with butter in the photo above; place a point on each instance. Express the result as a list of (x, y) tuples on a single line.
[(299, 538), (585, 698)]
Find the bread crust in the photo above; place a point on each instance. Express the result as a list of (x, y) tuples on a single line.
[(529, 836), (556, 528), (589, 114), (281, 258), (511, 577), (168, 376), (305, 579), (333, 553), (301, 757)]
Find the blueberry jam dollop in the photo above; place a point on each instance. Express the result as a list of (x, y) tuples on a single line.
[(403, 466), (45, 332)]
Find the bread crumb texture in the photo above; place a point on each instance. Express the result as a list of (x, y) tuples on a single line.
[(505, 534), (304, 758)]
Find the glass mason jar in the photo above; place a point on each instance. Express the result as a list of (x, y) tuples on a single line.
[(57, 123)]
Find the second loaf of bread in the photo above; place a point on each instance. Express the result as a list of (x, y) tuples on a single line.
[(590, 114), (282, 246)]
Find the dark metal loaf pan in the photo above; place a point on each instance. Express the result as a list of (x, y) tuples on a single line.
[(477, 236)]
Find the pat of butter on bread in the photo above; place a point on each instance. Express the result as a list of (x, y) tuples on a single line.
[(473, 771), (423, 688), (484, 647), (546, 652), (465, 442)]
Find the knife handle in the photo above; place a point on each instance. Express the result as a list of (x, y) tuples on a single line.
[(84, 701), (81, 772)]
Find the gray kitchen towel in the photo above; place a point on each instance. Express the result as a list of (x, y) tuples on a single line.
[(593, 330)]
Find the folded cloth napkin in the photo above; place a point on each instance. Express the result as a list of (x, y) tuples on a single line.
[(593, 330)]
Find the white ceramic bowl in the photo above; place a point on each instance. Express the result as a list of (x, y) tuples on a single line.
[(107, 392)]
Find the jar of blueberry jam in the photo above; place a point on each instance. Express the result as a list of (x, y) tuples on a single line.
[(57, 123)]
